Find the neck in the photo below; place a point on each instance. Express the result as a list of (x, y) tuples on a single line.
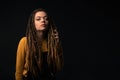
[(41, 34)]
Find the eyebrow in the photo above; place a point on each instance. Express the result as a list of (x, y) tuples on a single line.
[(40, 16)]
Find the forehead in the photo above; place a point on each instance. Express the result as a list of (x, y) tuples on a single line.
[(40, 13)]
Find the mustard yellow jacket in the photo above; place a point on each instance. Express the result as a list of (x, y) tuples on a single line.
[(21, 61)]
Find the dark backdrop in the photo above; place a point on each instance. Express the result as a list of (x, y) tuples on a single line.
[(89, 31)]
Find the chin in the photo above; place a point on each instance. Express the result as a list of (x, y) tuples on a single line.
[(42, 29)]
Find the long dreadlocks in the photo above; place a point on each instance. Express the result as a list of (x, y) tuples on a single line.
[(55, 53)]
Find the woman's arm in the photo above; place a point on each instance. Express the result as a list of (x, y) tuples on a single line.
[(20, 59)]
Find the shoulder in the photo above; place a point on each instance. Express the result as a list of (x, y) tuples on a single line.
[(23, 40)]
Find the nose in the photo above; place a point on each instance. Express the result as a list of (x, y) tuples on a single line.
[(42, 19)]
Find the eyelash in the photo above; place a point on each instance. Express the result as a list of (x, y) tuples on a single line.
[(39, 19)]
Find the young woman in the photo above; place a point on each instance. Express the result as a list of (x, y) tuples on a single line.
[(39, 53)]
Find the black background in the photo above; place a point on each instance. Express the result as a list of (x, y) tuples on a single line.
[(89, 31)]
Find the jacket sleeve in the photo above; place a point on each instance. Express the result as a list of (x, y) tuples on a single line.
[(20, 59)]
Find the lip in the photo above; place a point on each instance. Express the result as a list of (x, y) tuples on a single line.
[(42, 24)]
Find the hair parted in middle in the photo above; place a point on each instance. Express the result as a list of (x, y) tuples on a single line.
[(55, 52)]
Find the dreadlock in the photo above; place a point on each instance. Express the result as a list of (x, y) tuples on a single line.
[(55, 53)]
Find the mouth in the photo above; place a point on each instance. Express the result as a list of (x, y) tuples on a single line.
[(43, 25)]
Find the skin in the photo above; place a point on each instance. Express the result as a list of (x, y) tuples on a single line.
[(41, 21)]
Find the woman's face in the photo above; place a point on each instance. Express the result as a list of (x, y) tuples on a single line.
[(41, 20)]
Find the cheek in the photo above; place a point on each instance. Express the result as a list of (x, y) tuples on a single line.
[(47, 22), (36, 23)]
